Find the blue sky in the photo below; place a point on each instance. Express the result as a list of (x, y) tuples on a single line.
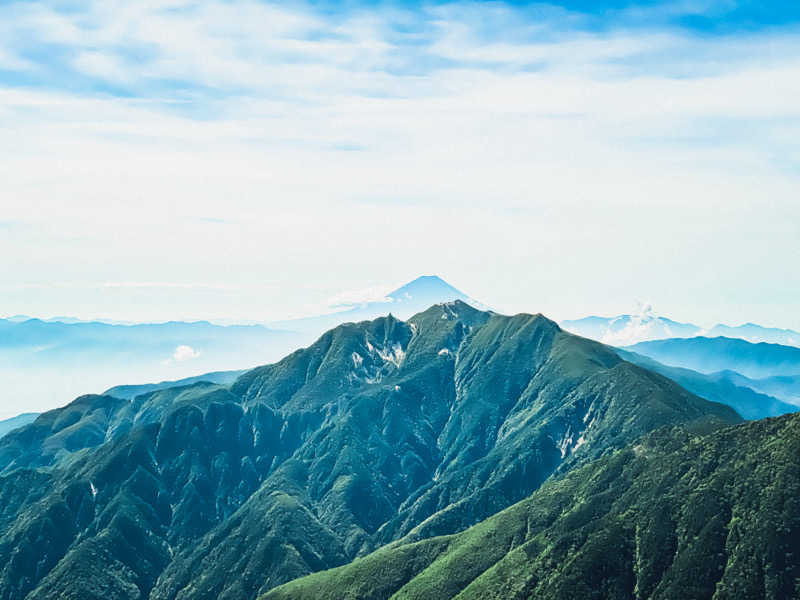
[(242, 159)]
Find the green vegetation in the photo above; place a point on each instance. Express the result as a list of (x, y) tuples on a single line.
[(381, 432), (674, 516)]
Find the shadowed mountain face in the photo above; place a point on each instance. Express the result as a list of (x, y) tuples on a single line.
[(672, 517), (379, 431)]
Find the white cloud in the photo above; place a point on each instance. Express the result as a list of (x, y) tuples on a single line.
[(360, 296), (183, 353), (470, 144)]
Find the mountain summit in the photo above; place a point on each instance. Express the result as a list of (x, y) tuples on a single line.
[(380, 431), (412, 298), (427, 290)]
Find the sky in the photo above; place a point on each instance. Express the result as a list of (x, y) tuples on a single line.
[(209, 159)]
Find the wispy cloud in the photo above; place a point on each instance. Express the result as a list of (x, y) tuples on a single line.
[(169, 285), (349, 298), (536, 125)]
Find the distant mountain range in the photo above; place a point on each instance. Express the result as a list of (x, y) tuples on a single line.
[(769, 369), (66, 320), (727, 387), (43, 363), (629, 329), (625, 330), (405, 301), (710, 355), (380, 432)]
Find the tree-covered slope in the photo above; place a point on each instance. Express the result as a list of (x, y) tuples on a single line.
[(58, 435), (674, 516), (477, 413), (379, 431)]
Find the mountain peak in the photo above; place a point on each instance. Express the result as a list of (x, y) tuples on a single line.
[(427, 287)]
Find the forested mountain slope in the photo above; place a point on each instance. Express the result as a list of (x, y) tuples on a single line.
[(379, 431), (674, 516)]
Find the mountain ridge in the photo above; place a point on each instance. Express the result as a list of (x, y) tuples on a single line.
[(710, 355), (48, 361), (727, 387), (715, 515), (628, 329), (379, 431)]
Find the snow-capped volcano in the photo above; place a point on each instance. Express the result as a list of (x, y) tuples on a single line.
[(403, 302)]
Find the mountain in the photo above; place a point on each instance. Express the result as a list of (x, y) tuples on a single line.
[(674, 516), (131, 391), (625, 330), (380, 431), (17, 318), (785, 387), (630, 329), (64, 319), (757, 333), (44, 364), (709, 355), (726, 387), (405, 301), (14, 422)]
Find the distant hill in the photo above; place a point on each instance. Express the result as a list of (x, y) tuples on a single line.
[(673, 516), (709, 355), (44, 364), (380, 431), (756, 334), (726, 387), (785, 387), (14, 422), (629, 329), (131, 391)]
